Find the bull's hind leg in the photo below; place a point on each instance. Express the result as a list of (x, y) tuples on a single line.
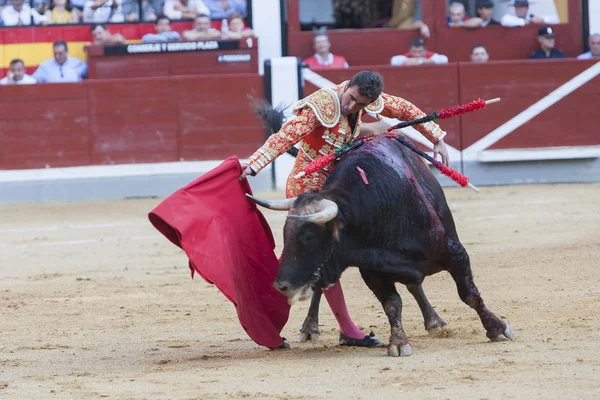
[(386, 293), (310, 327), (460, 268), (433, 323)]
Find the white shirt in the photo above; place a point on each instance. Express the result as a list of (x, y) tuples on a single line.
[(27, 80), (102, 14), (11, 17), (436, 58), (197, 5), (329, 60), (585, 56), (511, 21)]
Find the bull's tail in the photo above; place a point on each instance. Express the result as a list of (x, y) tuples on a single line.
[(272, 117)]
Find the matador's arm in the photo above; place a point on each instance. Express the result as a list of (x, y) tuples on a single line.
[(404, 110), (290, 133)]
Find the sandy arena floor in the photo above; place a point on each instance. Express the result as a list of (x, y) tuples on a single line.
[(96, 304)]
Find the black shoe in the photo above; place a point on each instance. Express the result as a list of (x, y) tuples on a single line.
[(367, 341)]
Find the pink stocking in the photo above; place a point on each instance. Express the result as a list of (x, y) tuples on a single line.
[(335, 298)]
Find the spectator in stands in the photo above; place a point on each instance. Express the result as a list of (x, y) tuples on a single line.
[(407, 14), (131, 11), (221, 9), (16, 75), (479, 54), (237, 29), (101, 35), (60, 13), (456, 15), (522, 16), (323, 58), (185, 9), (163, 31), (102, 11), (546, 38), (594, 43), (61, 68), (418, 55), (201, 29), (485, 9), (19, 14)]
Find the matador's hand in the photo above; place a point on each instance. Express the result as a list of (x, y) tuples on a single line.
[(247, 171), (441, 149)]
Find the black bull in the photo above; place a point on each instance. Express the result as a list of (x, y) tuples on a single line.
[(395, 227)]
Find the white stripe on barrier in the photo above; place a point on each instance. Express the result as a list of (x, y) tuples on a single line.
[(411, 132), (548, 153), (67, 243), (471, 152)]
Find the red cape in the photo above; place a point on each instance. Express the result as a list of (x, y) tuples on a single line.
[(229, 243)]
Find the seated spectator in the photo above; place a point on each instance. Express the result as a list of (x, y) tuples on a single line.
[(20, 14), (221, 9), (479, 54), (60, 13), (236, 28), (131, 11), (594, 43), (418, 55), (185, 9), (102, 11), (546, 50), (407, 14), (485, 9), (522, 16), (163, 31), (101, 35), (201, 29), (457, 15), (16, 75), (61, 68), (323, 58)]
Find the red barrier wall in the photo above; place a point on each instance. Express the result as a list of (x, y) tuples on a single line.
[(128, 121), (377, 46)]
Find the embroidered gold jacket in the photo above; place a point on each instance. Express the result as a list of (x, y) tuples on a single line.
[(320, 127)]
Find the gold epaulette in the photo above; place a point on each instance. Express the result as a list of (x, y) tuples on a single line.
[(326, 105)]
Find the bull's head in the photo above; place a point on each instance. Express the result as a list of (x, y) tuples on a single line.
[(310, 238)]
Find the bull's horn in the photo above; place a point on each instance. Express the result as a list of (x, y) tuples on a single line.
[(326, 212), (280, 205)]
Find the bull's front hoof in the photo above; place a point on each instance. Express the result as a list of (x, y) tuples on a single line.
[(367, 341), (440, 332), (508, 334), (309, 336), (395, 350)]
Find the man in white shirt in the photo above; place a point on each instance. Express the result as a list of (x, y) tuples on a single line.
[(594, 43), (185, 9), (102, 11), (21, 14), (418, 55), (17, 75), (61, 68), (522, 16)]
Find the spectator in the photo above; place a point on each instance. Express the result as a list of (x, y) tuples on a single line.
[(594, 43), (102, 11), (236, 30), (201, 30), (485, 9), (20, 14), (16, 75), (60, 13), (407, 14), (522, 16), (546, 50), (163, 31), (479, 54), (418, 55), (221, 9), (61, 68), (323, 58), (185, 9), (131, 11), (457, 15), (101, 35)]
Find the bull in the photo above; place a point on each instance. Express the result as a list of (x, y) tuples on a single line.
[(395, 226)]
